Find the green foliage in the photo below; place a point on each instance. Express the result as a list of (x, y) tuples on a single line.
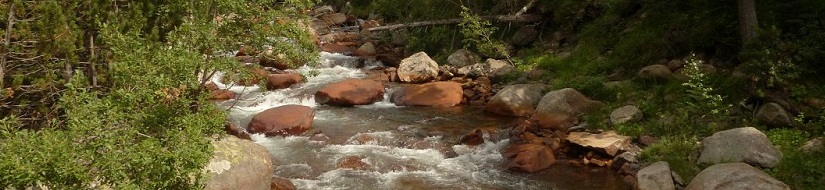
[(787, 139), (478, 33), (680, 152), (701, 98), (801, 170), (150, 124)]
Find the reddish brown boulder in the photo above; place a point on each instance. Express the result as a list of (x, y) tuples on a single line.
[(352, 162), (279, 183), (365, 50), (439, 94), (529, 157), (351, 92), (221, 95), (284, 120), (257, 74), (335, 48), (280, 81), (236, 131)]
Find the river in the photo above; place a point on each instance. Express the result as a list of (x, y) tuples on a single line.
[(403, 147)]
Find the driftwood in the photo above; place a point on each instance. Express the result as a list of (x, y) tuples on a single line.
[(500, 18)]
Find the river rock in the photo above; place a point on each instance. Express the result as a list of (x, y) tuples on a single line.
[(516, 100), (745, 144), (221, 95), (625, 114), (284, 120), (418, 68), (608, 142), (655, 72), (236, 131), (813, 145), (734, 176), (815, 103), (279, 183), (656, 176), (238, 164), (439, 94), (352, 162), (560, 108), (529, 157), (335, 48), (351, 92), (774, 114), (278, 61), (281, 81), (334, 18), (463, 57), (368, 49), (676, 64)]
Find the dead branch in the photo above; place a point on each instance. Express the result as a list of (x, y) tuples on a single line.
[(500, 18)]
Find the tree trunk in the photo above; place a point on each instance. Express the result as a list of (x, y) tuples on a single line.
[(6, 44), (747, 20)]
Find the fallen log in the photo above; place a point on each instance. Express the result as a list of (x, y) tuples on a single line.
[(500, 18)]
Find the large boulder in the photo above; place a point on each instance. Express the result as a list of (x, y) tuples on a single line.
[(439, 94), (608, 142), (560, 109), (745, 144), (524, 36), (284, 120), (655, 72), (351, 92), (280, 81), (490, 67), (368, 49), (625, 114), (238, 164), (418, 68), (656, 176), (463, 57), (734, 176), (529, 157), (516, 100), (334, 18), (774, 114)]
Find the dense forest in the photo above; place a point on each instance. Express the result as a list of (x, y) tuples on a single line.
[(114, 94)]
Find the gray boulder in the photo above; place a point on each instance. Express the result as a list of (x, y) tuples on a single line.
[(463, 57), (516, 100), (813, 145), (238, 164), (774, 114), (417, 68), (734, 176), (745, 144), (625, 114), (561, 108), (656, 176), (655, 72)]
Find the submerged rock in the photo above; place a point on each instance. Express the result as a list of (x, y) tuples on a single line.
[(284, 120), (351, 92), (656, 176), (280, 81), (279, 183), (560, 109), (516, 100), (745, 144), (222, 95), (418, 68), (734, 176), (608, 142), (529, 157), (439, 94), (238, 164), (352, 162)]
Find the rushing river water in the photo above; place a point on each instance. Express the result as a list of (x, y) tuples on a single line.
[(404, 147)]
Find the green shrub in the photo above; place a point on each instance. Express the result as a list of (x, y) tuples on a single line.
[(679, 151)]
